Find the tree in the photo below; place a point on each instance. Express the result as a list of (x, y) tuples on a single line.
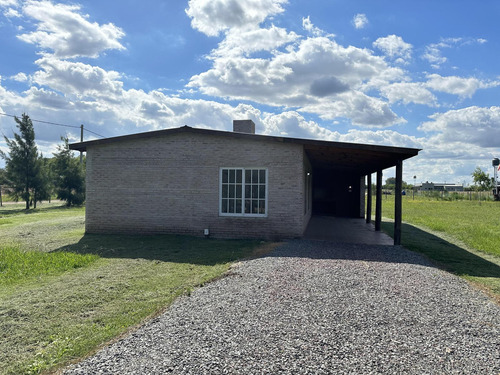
[(69, 176), (43, 185), (482, 180), (390, 184), (22, 162), (3, 181)]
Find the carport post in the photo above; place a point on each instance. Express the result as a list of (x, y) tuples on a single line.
[(369, 198), (378, 203), (398, 203)]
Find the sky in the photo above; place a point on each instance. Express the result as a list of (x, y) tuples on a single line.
[(422, 74)]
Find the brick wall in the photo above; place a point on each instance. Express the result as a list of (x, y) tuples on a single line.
[(171, 185)]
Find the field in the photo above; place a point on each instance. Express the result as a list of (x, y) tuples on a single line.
[(462, 237), (63, 293)]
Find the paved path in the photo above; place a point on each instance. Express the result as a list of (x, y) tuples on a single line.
[(342, 229), (315, 307)]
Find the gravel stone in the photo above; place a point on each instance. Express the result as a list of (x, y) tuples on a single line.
[(317, 307)]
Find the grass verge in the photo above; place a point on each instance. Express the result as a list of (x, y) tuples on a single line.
[(461, 237), (108, 285), (476, 224)]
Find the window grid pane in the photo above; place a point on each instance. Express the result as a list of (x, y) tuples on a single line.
[(243, 191), (255, 191)]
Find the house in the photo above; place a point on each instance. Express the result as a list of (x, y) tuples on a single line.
[(436, 186), (233, 184)]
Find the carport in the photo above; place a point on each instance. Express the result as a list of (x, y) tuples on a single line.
[(339, 171)]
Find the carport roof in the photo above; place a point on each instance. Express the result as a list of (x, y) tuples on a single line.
[(353, 157)]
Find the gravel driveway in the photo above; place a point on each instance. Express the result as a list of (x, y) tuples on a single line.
[(314, 307)]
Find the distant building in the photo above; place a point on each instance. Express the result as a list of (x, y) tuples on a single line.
[(435, 186)]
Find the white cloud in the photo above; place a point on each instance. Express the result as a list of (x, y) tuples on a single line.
[(394, 47), (300, 74), (409, 92), (244, 43), (78, 79), (471, 125), (8, 3), (361, 109), (360, 21), (67, 33), (433, 56), (293, 124), (46, 99), (433, 52), (20, 77), (213, 16), (463, 87), (382, 137), (308, 26), (313, 75), (12, 13)]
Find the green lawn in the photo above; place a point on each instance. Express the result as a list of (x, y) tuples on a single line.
[(461, 236), (63, 293)]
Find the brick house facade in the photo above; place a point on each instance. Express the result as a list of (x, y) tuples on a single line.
[(187, 180)]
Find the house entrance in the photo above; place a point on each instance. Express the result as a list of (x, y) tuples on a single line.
[(336, 193)]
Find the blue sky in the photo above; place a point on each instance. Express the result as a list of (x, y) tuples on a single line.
[(418, 74)]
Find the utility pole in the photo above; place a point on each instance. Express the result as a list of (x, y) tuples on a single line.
[(414, 186), (81, 140)]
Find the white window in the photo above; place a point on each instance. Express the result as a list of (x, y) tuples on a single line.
[(243, 192)]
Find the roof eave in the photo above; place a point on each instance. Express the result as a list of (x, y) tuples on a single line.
[(407, 152)]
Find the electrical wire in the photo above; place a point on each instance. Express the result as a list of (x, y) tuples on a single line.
[(57, 124)]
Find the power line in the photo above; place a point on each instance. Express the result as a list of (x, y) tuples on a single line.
[(56, 124), (90, 131)]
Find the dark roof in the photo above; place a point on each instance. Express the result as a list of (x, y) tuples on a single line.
[(362, 158)]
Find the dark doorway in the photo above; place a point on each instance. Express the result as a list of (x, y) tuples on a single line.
[(336, 193)]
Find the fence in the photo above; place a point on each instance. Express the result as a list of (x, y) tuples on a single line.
[(480, 196)]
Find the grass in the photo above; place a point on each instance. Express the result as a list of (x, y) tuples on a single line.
[(63, 293), (462, 237), (18, 265)]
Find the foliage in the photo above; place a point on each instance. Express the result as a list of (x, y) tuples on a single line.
[(390, 184), (43, 185), (482, 180), (3, 177), (69, 176), (22, 163)]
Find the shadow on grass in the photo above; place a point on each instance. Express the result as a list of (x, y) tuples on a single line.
[(443, 253), (163, 248), (6, 210)]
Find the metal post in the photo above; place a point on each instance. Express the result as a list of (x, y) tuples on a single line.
[(398, 203), (81, 140), (369, 198), (378, 203), (414, 186)]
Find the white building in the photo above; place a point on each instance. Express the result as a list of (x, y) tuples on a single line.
[(436, 186)]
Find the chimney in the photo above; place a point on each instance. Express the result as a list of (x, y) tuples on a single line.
[(244, 126)]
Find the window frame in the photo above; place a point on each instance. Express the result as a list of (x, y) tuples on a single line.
[(243, 197)]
